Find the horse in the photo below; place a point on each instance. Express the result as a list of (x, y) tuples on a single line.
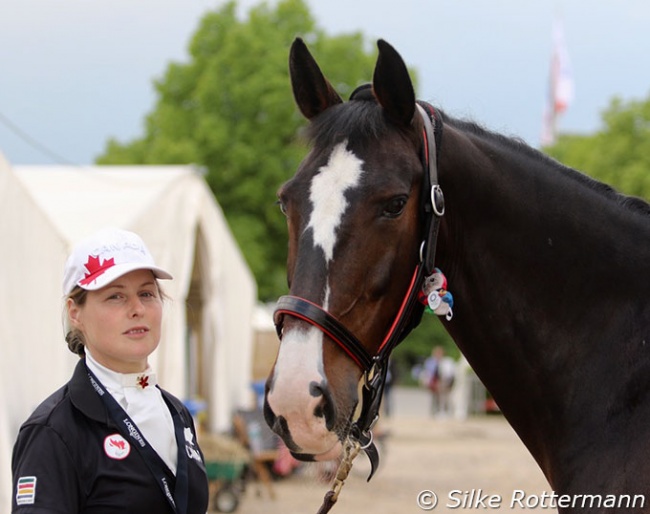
[(549, 269)]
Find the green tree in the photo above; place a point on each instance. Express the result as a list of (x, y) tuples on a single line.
[(619, 154), (230, 110)]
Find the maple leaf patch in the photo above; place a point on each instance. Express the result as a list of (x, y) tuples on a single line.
[(116, 447), (118, 444), (95, 268)]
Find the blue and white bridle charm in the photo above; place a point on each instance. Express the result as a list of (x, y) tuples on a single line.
[(435, 296)]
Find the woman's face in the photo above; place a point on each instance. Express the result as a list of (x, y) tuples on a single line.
[(121, 322)]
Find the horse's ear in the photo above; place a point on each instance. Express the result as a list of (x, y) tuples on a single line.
[(312, 91), (392, 85)]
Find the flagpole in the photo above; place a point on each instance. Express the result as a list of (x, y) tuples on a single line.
[(560, 88)]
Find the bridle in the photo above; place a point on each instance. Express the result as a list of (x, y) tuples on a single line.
[(375, 367)]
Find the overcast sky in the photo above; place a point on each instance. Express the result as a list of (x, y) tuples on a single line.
[(75, 72)]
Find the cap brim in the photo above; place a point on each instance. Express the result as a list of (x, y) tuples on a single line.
[(114, 272)]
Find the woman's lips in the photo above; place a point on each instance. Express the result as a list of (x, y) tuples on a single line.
[(136, 331)]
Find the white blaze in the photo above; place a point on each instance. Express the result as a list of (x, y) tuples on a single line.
[(300, 358), (327, 194)]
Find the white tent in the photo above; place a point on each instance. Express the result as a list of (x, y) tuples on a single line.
[(207, 339)]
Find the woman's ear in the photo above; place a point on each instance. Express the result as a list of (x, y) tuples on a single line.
[(74, 313)]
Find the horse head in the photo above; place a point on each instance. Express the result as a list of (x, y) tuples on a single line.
[(353, 210)]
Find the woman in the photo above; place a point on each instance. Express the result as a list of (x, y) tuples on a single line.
[(110, 440)]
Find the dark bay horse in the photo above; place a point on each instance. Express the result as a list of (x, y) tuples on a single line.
[(550, 272)]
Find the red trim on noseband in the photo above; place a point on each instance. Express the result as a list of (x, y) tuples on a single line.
[(321, 318), (321, 327), (329, 334)]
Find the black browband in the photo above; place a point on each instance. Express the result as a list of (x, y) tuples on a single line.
[(375, 367)]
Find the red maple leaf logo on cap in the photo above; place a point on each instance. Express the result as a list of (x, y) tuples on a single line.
[(95, 268)]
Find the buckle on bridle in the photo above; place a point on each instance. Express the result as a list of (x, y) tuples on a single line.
[(437, 200)]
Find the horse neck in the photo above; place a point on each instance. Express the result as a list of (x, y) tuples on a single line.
[(537, 260)]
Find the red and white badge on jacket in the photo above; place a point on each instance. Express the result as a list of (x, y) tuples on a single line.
[(116, 447)]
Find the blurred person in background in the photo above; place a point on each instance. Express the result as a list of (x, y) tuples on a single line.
[(438, 375)]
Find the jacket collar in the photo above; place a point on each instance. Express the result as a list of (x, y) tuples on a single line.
[(85, 398)]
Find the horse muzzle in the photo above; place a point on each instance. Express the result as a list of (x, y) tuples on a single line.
[(306, 426)]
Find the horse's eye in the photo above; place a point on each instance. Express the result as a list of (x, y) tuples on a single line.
[(395, 207)]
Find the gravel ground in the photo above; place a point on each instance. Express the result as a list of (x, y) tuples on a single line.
[(461, 461)]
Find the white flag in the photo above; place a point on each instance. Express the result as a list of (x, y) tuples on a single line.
[(561, 89)]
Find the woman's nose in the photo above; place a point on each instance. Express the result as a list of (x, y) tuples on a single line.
[(136, 307)]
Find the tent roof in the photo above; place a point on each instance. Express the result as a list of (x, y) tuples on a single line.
[(63, 192)]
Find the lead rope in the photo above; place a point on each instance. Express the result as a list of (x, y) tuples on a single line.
[(350, 451)]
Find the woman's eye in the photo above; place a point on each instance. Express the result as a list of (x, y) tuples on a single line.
[(395, 207)]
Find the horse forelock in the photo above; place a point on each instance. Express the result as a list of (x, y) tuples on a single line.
[(362, 123)]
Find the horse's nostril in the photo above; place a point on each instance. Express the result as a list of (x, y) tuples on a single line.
[(319, 411), (279, 425), (317, 389), (269, 415), (282, 429), (325, 408)]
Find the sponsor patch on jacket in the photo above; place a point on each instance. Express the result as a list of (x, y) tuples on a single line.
[(116, 447), (191, 450), (26, 491)]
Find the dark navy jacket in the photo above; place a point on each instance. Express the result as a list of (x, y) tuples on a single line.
[(62, 451)]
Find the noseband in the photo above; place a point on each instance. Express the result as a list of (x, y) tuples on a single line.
[(375, 367)]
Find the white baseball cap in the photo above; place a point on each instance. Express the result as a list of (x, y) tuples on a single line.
[(106, 255)]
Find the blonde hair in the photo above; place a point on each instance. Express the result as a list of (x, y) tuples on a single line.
[(74, 337)]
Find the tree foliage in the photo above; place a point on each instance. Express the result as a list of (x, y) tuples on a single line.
[(619, 154), (230, 110)]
